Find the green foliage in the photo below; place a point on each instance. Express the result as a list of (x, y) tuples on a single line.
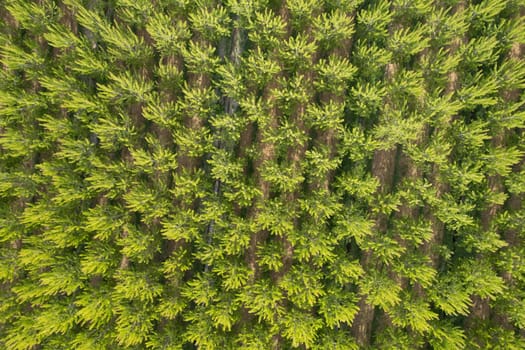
[(414, 313), (301, 328), (380, 290), (337, 174)]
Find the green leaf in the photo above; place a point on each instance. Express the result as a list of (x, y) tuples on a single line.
[(301, 328), (338, 306), (380, 290)]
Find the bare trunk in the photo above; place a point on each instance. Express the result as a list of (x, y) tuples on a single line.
[(383, 168), (438, 228), (266, 152), (329, 137), (514, 202)]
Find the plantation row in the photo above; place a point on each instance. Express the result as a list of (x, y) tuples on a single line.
[(262, 174)]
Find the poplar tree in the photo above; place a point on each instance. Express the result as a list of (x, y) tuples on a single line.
[(255, 174)]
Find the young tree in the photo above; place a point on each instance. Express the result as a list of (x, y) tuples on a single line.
[(255, 174)]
